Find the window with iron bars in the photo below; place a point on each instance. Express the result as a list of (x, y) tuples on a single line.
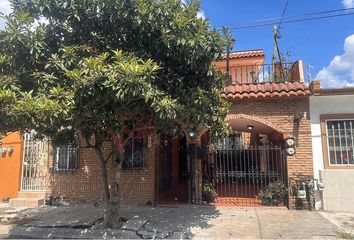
[(340, 142), (134, 153), (65, 157)]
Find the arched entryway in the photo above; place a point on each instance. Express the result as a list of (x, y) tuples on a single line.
[(244, 163)]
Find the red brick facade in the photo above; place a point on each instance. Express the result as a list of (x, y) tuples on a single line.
[(282, 107), (138, 186), (85, 183)]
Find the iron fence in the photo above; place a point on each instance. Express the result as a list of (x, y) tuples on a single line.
[(263, 73), (34, 163), (243, 171)]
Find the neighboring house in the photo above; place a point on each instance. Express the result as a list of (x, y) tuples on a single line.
[(10, 165), (23, 172), (332, 126), (269, 116)]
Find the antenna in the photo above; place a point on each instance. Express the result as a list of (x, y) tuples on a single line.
[(309, 76)]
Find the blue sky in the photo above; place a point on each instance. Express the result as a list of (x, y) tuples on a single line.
[(326, 44), (316, 42)]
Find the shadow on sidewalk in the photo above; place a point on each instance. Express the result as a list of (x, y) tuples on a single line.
[(80, 221)]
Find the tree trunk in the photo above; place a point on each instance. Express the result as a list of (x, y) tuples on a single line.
[(112, 194)]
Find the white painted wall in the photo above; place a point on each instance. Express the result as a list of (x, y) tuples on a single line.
[(328, 105)]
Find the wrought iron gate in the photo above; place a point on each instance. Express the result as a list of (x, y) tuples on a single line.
[(34, 164), (240, 172)]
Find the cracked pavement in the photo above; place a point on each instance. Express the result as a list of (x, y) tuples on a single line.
[(173, 222)]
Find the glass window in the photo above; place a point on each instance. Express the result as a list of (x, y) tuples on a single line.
[(134, 153), (340, 142), (65, 157)]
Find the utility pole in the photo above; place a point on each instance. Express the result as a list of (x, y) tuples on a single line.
[(229, 42), (275, 53), (274, 57), (228, 49), (228, 64)]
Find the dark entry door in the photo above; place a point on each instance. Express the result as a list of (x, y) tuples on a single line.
[(240, 172), (172, 170)]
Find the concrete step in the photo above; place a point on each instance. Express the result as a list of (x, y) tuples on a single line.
[(26, 202), (31, 194)]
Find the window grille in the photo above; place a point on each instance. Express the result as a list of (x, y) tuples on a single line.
[(340, 142), (134, 153), (65, 157)]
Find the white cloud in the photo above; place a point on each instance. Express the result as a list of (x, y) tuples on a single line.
[(348, 3), (5, 6), (6, 9), (200, 14), (340, 71)]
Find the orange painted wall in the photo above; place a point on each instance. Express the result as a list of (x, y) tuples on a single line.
[(10, 166), (240, 68)]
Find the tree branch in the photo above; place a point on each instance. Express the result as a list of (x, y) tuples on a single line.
[(88, 144), (109, 156)]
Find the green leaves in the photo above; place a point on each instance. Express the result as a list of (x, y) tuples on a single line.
[(109, 64)]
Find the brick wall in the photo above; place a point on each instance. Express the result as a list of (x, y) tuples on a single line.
[(279, 113), (85, 184), (137, 186)]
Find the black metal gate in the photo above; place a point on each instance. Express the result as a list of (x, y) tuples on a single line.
[(240, 172)]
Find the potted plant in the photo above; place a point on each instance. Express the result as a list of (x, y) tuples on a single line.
[(209, 193), (274, 194)]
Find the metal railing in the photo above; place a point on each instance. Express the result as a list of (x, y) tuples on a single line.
[(243, 171), (34, 163), (263, 73)]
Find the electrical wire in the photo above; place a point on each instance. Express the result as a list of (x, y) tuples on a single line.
[(282, 16), (296, 16), (344, 12)]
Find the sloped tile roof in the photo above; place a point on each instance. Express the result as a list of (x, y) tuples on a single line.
[(263, 90), (244, 54)]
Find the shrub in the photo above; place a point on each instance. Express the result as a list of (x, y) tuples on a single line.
[(274, 194), (209, 193)]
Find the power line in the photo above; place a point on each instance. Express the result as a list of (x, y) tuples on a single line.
[(282, 16), (291, 21), (297, 18)]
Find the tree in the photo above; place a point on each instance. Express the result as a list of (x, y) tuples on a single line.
[(108, 69)]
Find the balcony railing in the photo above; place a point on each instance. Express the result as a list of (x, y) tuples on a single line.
[(247, 74)]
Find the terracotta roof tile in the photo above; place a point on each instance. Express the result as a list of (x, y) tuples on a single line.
[(245, 54), (263, 90)]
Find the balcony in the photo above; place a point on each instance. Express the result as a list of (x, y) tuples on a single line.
[(265, 73), (261, 81)]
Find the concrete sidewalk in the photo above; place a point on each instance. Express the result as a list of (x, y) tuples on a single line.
[(343, 220), (80, 221)]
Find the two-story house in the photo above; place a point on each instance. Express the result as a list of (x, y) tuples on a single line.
[(270, 141)]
